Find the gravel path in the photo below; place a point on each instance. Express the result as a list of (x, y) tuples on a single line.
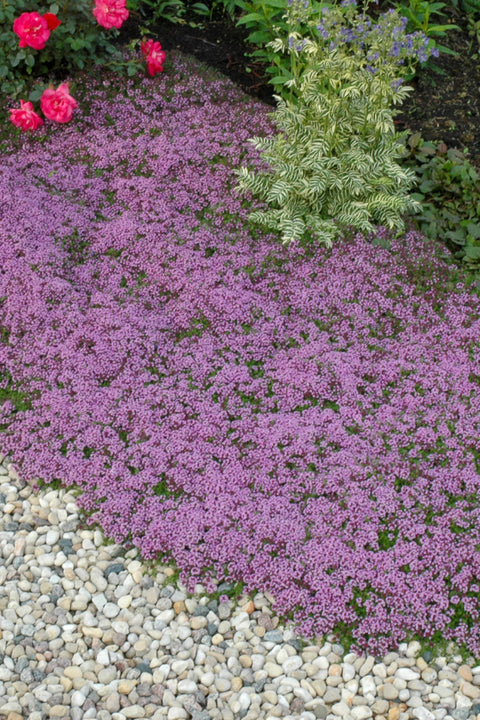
[(85, 632)]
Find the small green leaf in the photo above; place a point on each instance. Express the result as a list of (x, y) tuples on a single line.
[(201, 9), (251, 18), (472, 252), (474, 230), (36, 94)]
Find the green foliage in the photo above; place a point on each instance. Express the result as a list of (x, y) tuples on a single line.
[(184, 12), (265, 19), (333, 165), (470, 6), (77, 43), (474, 33), (215, 7), (449, 193), (152, 11)]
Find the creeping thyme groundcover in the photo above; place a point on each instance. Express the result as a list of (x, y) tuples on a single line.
[(300, 419)]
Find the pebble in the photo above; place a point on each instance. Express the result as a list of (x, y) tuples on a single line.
[(106, 641)]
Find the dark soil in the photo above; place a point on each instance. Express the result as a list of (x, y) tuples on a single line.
[(443, 107)]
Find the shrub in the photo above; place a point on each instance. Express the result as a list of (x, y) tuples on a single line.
[(333, 165), (78, 42), (449, 193)]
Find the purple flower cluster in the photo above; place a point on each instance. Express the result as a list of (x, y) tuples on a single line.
[(304, 420), (385, 40)]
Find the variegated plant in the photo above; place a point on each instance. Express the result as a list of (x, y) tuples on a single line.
[(333, 163)]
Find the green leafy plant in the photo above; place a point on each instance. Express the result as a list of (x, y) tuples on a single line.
[(180, 11), (151, 11), (77, 43), (470, 6), (265, 20), (474, 33), (333, 165), (449, 194), (215, 7), (334, 161)]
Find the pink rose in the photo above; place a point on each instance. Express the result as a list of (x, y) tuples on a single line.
[(32, 29), (110, 13), (25, 116), (58, 104), (154, 55)]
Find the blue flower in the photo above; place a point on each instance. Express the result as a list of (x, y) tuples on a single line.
[(323, 32)]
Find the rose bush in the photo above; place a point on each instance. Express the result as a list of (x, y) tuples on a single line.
[(34, 29), (79, 42)]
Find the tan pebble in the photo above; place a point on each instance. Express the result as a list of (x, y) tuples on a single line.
[(465, 672), (394, 712), (92, 632), (59, 711), (19, 546), (126, 686), (141, 645), (249, 607), (72, 671), (270, 696), (389, 691), (69, 573), (471, 691), (198, 621), (67, 683), (245, 661), (217, 639), (237, 684), (79, 683), (179, 606), (14, 716), (259, 631), (334, 670)]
